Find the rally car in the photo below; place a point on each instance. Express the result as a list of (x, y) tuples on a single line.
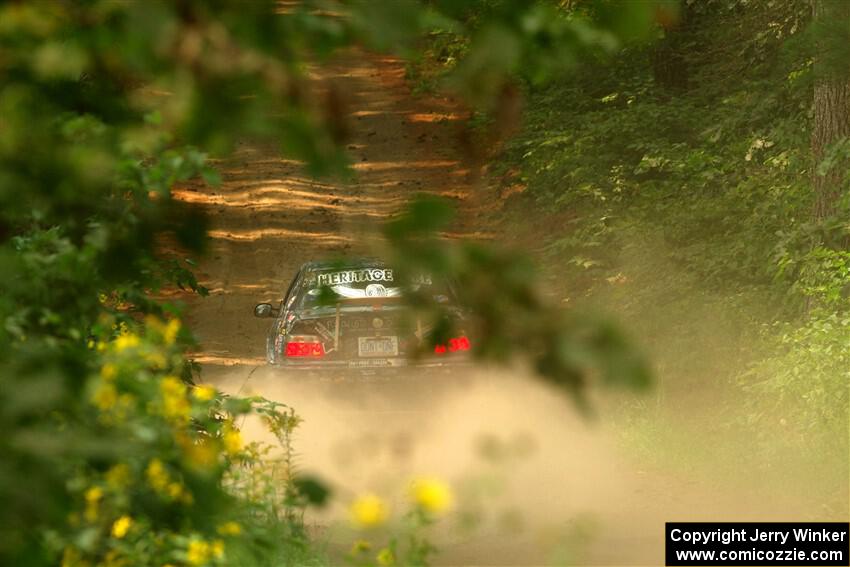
[(353, 315)]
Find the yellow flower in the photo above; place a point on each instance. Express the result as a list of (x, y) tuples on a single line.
[(118, 476), (171, 330), (108, 371), (204, 393), (369, 510), (93, 494), (174, 490), (385, 557), (113, 559), (175, 405), (156, 360), (161, 482), (172, 385), (121, 526), (232, 440), (157, 475), (71, 557), (432, 495), (125, 402), (229, 529), (92, 497), (168, 331), (125, 341), (217, 548), (105, 396), (359, 546), (201, 455), (198, 552)]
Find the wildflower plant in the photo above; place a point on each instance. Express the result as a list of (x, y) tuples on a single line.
[(407, 541), (167, 483)]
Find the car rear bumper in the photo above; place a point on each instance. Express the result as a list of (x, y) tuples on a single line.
[(374, 366)]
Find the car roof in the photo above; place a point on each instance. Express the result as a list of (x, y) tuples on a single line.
[(342, 263)]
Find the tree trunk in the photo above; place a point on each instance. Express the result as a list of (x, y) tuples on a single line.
[(669, 66), (831, 101), (669, 69)]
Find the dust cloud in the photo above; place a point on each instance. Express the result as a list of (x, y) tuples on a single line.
[(530, 473)]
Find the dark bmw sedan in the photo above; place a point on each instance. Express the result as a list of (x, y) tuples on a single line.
[(353, 315)]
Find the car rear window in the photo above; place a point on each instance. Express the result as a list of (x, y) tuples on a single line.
[(348, 284)]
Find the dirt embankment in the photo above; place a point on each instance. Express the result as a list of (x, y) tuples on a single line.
[(548, 486)]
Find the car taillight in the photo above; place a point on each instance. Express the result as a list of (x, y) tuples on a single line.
[(454, 345), (304, 346)]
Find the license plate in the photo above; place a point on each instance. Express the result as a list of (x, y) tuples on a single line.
[(378, 346)]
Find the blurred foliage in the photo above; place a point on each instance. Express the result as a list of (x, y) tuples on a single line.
[(106, 107), (510, 316)]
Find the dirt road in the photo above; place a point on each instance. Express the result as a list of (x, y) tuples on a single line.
[(538, 484), (268, 216)]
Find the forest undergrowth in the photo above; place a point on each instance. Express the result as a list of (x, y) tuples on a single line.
[(672, 186)]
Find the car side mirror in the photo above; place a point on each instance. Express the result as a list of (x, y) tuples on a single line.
[(264, 310)]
